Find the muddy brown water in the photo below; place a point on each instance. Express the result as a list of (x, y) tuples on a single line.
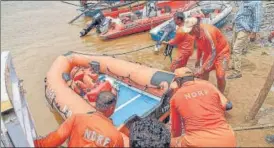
[(37, 32)]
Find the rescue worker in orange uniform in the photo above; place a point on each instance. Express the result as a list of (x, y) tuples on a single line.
[(201, 107), (184, 42), (215, 49), (93, 129)]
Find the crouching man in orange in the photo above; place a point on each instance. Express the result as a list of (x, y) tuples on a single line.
[(88, 130), (183, 41), (214, 47), (201, 107)]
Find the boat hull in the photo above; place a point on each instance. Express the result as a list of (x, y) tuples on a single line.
[(145, 24), (17, 124), (136, 27), (142, 82)]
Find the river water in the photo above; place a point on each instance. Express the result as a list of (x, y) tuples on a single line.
[(36, 32)]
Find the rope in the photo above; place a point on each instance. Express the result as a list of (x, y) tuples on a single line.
[(115, 54), (254, 127), (168, 52), (132, 81)]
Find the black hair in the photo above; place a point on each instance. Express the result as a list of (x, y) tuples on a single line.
[(181, 80), (105, 100), (149, 132), (180, 15)]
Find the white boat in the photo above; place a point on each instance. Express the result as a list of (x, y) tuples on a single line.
[(17, 125), (166, 30)]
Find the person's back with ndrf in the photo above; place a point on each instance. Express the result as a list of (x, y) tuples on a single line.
[(88, 130), (201, 106)]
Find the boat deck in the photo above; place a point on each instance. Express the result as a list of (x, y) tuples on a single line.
[(131, 101)]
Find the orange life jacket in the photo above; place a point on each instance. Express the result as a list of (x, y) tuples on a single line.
[(79, 87), (83, 83), (74, 70), (93, 93), (92, 74), (77, 74), (88, 81)]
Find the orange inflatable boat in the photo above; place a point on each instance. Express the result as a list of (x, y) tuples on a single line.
[(141, 90)]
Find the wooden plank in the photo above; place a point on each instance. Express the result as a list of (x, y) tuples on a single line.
[(262, 95)]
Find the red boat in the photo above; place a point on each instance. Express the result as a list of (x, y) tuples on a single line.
[(127, 21)]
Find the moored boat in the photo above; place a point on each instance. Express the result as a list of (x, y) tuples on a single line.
[(117, 24), (141, 90), (210, 13), (17, 124)]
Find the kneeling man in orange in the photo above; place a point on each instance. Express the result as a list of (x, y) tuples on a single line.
[(201, 107)]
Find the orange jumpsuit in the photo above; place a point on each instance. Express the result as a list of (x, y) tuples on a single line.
[(84, 130), (185, 45), (215, 48), (198, 105)]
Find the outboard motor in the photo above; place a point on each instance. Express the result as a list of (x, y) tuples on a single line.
[(97, 20)]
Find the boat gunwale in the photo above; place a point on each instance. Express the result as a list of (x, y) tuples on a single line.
[(156, 111)]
